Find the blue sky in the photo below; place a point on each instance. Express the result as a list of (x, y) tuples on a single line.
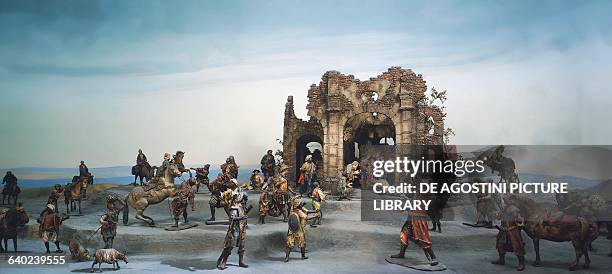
[(96, 80)]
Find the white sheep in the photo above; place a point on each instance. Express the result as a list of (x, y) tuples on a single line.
[(109, 256)]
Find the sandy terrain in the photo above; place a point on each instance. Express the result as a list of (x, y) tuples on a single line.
[(343, 244)]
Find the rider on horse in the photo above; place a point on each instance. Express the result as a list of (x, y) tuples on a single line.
[(164, 165), (11, 188), (141, 168), (141, 159), (86, 177), (496, 157)]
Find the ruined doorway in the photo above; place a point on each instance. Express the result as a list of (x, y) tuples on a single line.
[(369, 128), (309, 145)]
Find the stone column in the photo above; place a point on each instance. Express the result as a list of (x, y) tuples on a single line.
[(404, 127), (334, 144)]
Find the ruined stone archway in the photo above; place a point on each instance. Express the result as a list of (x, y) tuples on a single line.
[(398, 94), (368, 128)]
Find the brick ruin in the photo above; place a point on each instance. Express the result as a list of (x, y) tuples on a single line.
[(346, 113)]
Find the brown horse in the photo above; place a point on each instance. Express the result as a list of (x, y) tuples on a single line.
[(144, 172), (505, 167), (538, 225), (160, 189), (11, 190), (76, 194), (10, 220)]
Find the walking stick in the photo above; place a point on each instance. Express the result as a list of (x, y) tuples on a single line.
[(94, 233)]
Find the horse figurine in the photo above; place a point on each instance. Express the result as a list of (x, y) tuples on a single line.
[(10, 190), (144, 173), (568, 229), (10, 220), (504, 166), (76, 194), (158, 190)]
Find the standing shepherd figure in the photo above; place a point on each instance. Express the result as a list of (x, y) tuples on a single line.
[(11, 189), (179, 204), (296, 233), (67, 196), (110, 219), (48, 230), (108, 227), (237, 225), (488, 205), (264, 206), (268, 164)]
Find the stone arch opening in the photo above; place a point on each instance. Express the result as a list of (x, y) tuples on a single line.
[(309, 144), (368, 128)]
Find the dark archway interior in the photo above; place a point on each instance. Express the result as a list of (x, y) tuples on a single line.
[(308, 145), (366, 129)]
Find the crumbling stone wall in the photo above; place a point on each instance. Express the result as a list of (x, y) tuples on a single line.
[(396, 93)]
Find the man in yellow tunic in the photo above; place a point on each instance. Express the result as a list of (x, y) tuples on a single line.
[(296, 234), (317, 196)]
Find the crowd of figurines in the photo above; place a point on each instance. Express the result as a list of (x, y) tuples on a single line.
[(277, 199), (576, 219)]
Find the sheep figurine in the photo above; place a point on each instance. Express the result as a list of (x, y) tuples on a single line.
[(109, 256)]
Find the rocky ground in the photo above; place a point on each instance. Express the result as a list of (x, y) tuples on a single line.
[(343, 244)]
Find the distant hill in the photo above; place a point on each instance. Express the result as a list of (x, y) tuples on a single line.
[(588, 162), (62, 173), (604, 189), (33, 177), (573, 182)]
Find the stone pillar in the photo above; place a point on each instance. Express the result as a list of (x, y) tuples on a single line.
[(404, 127), (332, 144), (289, 137)]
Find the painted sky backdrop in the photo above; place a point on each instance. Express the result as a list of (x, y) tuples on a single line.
[(96, 80)]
